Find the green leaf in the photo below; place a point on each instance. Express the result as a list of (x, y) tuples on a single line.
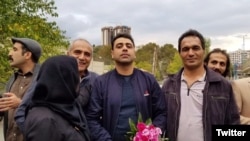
[(148, 121), (132, 126), (140, 118)]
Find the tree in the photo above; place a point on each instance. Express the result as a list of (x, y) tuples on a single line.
[(207, 45), (165, 56), (175, 64), (146, 55), (143, 65), (103, 54), (26, 18), (146, 52)]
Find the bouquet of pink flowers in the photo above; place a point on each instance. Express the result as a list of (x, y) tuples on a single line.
[(144, 131)]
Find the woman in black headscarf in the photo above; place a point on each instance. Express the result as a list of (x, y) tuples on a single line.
[(54, 114)]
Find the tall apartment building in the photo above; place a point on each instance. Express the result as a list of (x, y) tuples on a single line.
[(107, 35), (109, 32), (238, 60), (239, 56)]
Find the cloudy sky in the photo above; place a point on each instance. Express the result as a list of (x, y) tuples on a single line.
[(225, 22)]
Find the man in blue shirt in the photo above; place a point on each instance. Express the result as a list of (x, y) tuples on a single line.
[(121, 94)]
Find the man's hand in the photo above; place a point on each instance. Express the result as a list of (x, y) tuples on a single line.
[(9, 101)]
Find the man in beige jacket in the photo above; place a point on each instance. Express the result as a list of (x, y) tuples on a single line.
[(241, 89)]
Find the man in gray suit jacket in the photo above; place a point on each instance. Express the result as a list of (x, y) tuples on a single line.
[(241, 88)]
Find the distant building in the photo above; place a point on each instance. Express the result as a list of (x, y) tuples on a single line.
[(121, 29), (109, 32), (107, 35), (246, 68), (239, 59), (239, 56)]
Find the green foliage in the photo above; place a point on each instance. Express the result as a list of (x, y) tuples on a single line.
[(207, 45), (132, 127), (145, 58), (166, 55), (145, 53), (5, 69), (175, 64), (103, 54), (158, 76), (144, 66), (26, 18)]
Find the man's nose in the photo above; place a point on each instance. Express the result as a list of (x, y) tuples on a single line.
[(124, 48), (190, 52), (81, 56), (217, 65)]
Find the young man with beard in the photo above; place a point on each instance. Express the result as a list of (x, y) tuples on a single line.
[(123, 93), (24, 57), (219, 61), (197, 97), (82, 50)]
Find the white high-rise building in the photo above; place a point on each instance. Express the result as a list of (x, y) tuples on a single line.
[(109, 32), (238, 60), (239, 56), (107, 35)]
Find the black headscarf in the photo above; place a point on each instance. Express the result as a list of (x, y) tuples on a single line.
[(58, 87)]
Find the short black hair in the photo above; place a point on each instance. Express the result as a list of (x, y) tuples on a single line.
[(191, 32), (122, 35), (224, 52)]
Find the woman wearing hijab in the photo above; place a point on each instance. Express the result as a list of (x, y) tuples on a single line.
[(54, 114)]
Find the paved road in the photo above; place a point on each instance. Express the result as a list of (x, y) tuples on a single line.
[(1, 131)]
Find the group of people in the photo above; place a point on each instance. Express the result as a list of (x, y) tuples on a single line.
[(61, 100)]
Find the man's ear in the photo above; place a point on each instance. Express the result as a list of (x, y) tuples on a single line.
[(28, 54)]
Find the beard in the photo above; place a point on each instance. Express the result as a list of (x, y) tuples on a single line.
[(218, 71)]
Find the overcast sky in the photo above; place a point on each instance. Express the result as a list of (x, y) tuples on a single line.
[(225, 22)]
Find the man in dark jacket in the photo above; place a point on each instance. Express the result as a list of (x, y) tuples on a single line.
[(121, 94), (82, 50), (24, 56), (197, 97)]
